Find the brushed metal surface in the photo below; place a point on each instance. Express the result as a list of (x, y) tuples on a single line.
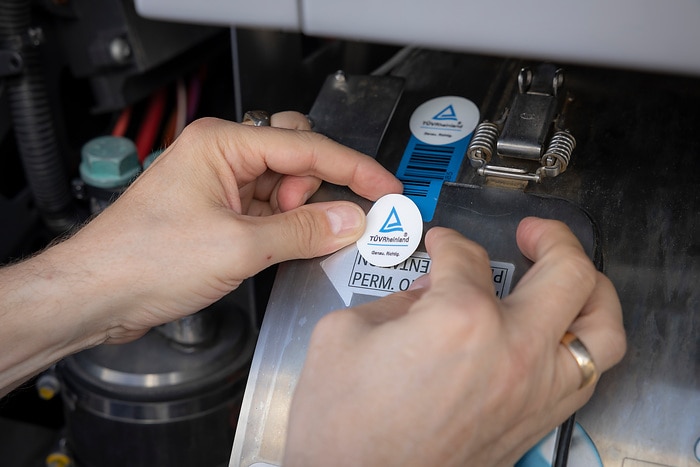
[(635, 174)]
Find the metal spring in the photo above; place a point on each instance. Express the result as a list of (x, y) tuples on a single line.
[(559, 150), (483, 142)]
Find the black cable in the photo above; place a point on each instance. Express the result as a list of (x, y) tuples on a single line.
[(563, 442), (33, 121)]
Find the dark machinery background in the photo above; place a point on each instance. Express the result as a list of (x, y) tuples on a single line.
[(74, 70)]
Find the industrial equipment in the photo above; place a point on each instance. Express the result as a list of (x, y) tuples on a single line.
[(488, 111)]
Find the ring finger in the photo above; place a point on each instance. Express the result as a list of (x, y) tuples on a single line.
[(599, 328)]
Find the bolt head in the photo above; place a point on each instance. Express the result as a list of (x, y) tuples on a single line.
[(109, 162)]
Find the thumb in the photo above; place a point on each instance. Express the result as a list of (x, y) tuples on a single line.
[(308, 231)]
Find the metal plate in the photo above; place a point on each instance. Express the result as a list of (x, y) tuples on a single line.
[(634, 173)]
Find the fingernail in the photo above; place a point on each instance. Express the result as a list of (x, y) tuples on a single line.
[(304, 198), (421, 283), (345, 219)]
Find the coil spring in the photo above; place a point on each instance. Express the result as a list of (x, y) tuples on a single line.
[(558, 154), (483, 142)]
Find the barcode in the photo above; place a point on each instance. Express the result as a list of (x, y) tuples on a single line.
[(416, 188), (425, 167), (428, 162)]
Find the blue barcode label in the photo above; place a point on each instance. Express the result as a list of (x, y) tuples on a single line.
[(428, 162), (418, 188), (423, 169)]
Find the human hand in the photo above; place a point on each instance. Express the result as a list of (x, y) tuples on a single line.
[(445, 373), (223, 202)]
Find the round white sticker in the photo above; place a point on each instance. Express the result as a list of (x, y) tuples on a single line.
[(394, 230), (444, 120)]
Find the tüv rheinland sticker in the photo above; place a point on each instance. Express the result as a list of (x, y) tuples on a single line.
[(394, 230), (444, 120)]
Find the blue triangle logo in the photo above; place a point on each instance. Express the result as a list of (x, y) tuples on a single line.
[(392, 223), (448, 113)]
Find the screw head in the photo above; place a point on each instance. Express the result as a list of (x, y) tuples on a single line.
[(120, 50)]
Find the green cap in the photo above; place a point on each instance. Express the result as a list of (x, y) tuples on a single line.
[(109, 162)]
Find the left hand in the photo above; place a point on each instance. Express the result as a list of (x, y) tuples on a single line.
[(223, 202)]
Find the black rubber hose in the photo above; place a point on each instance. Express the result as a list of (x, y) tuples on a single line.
[(33, 122)]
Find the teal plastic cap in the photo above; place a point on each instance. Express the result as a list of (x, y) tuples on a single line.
[(109, 162)]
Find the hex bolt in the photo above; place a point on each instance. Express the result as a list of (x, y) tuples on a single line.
[(109, 162)]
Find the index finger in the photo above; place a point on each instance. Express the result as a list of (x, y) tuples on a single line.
[(460, 268), (303, 153)]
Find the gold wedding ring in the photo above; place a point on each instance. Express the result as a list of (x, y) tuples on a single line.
[(589, 373)]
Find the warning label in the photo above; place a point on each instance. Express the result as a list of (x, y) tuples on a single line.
[(502, 274), (392, 279), (350, 273)]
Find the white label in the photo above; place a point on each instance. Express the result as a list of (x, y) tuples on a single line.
[(502, 275), (444, 120), (394, 230), (350, 273)]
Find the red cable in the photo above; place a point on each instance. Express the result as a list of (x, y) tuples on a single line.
[(151, 124), (122, 122)]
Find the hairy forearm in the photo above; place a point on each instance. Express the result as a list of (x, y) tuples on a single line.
[(50, 307)]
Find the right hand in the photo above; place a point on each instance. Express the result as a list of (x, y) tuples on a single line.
[(445, 374)]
